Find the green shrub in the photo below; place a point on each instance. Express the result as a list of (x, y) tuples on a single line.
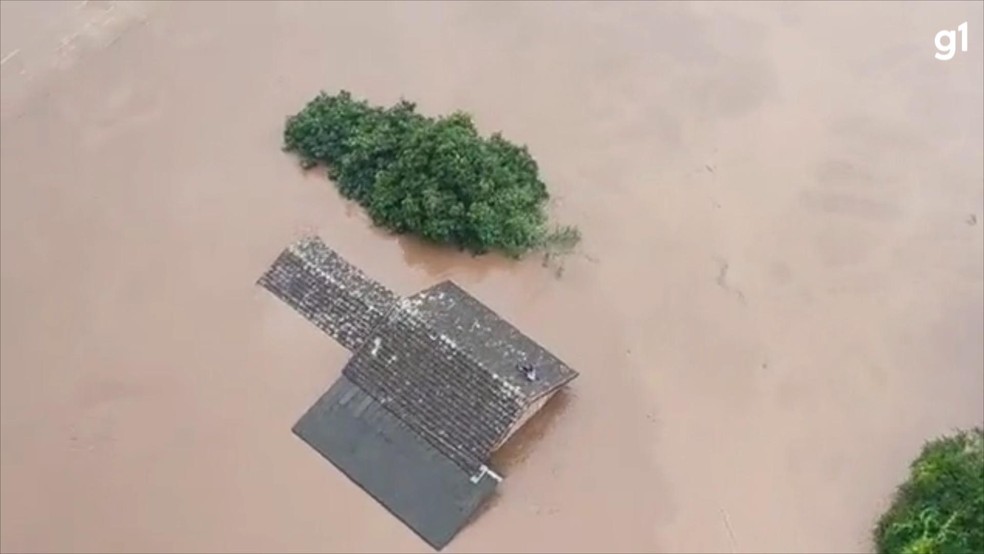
[(436, 178), (940, 508)]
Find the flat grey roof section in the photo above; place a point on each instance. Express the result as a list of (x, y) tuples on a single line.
[(331, 293), (419, 485), (488, 338)]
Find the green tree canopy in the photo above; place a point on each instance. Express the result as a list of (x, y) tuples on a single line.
[(940, 508), (436, 178)]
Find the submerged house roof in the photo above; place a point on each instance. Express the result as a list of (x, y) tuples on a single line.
[(432, 389), (333, 294)]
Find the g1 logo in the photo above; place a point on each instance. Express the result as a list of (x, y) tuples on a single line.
[(946, 42)]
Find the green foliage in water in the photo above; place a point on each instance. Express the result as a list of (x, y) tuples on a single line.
[(436, 178), (940, 508)]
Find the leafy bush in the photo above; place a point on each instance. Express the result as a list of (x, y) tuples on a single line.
[(434, 178), (940, 509)]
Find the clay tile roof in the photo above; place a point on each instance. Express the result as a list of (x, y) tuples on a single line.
[(330, 292), (438, 389), (446, 365), (441, 361), (492, 341)]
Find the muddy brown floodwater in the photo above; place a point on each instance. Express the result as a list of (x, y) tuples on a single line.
[(778, 298)]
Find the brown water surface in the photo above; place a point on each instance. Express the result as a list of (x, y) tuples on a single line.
[(779, 295)]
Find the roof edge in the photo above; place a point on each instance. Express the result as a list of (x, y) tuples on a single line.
[(556, 386)]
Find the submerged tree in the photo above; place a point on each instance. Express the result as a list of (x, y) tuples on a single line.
[(940, 508), (436, 178)]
